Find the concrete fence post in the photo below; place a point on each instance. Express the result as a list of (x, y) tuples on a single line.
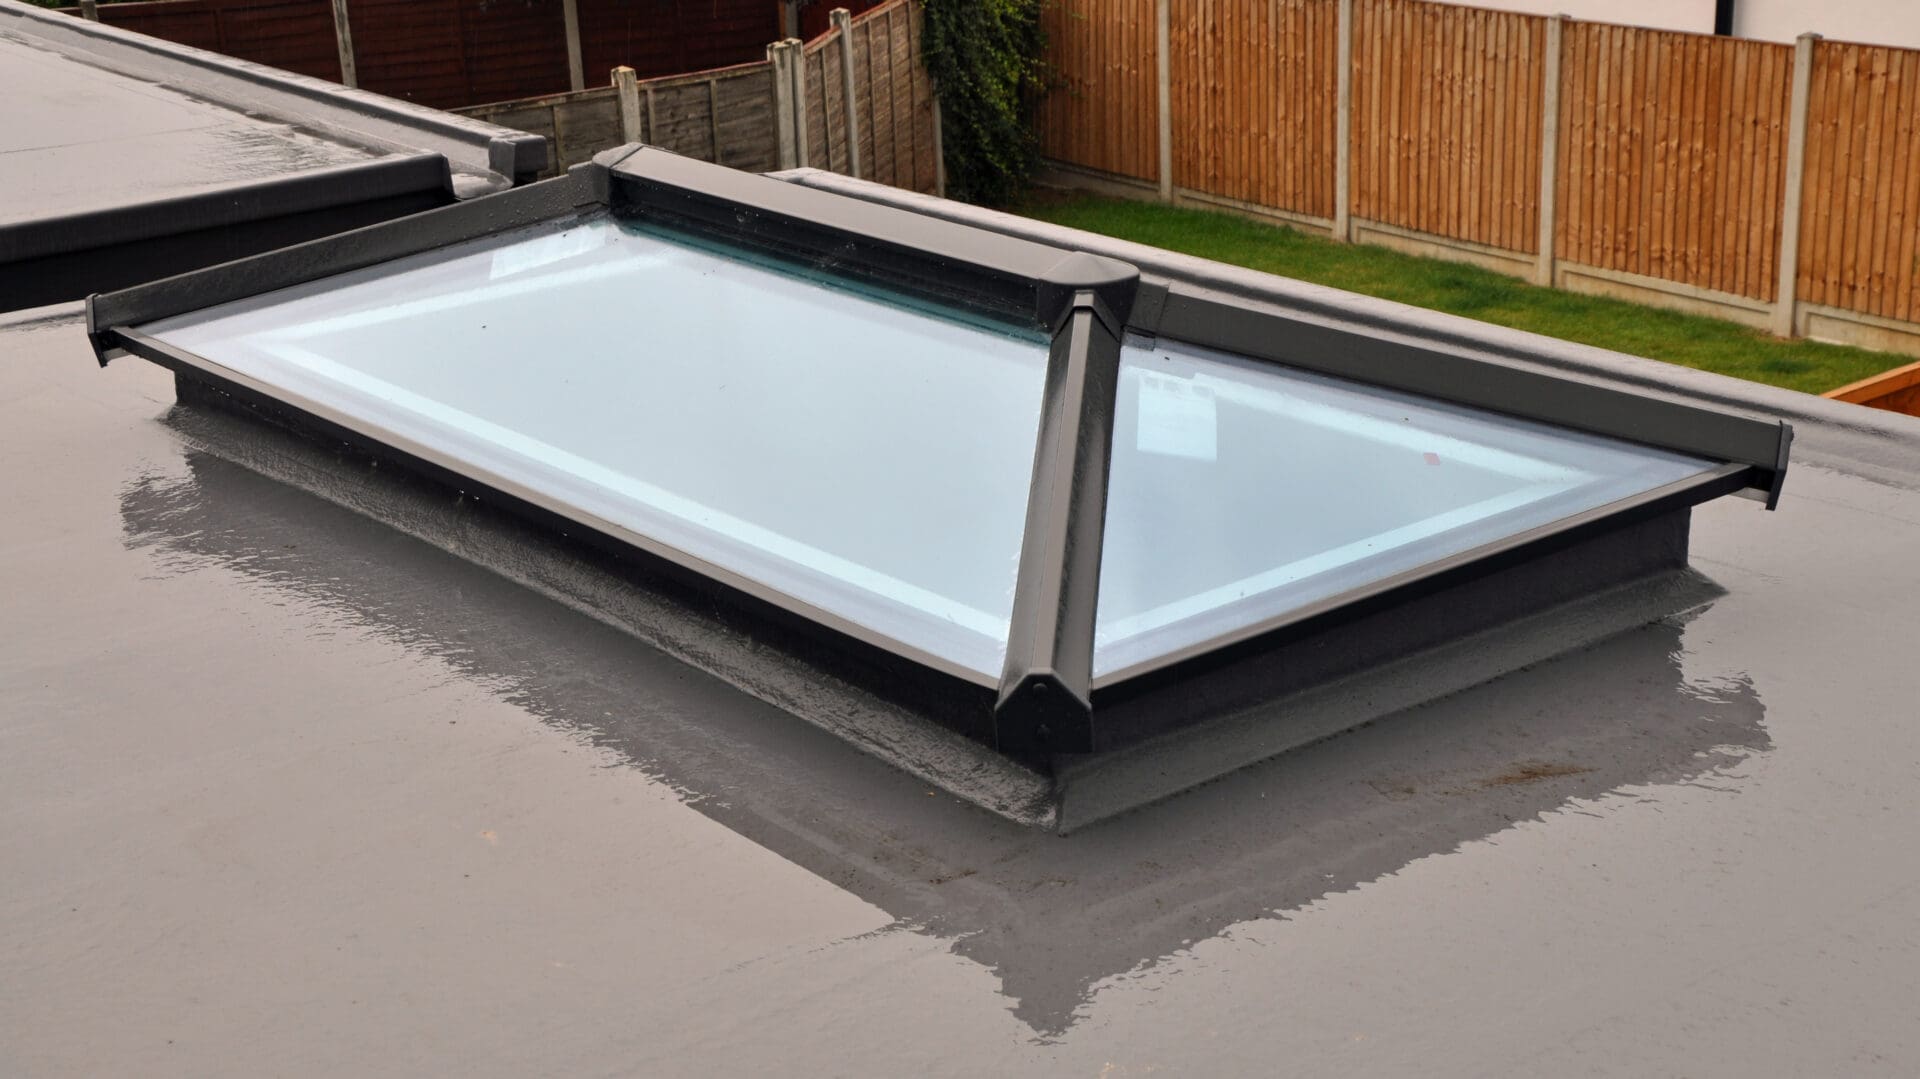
[(90, 10), (1163, 73), (797, 93), (627, 90), (842, 20), (576, 69), (1785, 295), (343, 38), (1549, 151), (780, 61), (1343, 126)]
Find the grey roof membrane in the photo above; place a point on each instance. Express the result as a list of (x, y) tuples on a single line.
[(92, 117), (289, 791), (77, 138)]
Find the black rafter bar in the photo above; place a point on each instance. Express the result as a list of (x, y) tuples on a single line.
[(1045, 703)]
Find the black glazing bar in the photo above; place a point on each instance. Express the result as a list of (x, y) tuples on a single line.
[(1045, 703), (581, 191), (1395, 362)]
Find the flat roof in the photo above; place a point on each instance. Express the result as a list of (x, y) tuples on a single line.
[(292, 791), (79, 138), (124, 158)]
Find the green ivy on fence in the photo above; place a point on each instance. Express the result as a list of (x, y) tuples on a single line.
[(986, 58)]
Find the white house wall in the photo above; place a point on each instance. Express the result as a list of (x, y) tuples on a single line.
[(1878, 22)]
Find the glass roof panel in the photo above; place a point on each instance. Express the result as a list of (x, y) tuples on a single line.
[(1240, 491), (859, 452)]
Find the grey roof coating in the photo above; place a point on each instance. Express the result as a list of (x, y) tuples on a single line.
[(124, 158), (289, 792), (484, 157), (79, 138)]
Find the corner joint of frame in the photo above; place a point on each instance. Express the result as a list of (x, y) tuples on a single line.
[(1781, 455), (593, 183), (1105, 286), (609, 159), (102, 340), (1039, 714)]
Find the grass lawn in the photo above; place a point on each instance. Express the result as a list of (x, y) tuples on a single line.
[(1690, 340)]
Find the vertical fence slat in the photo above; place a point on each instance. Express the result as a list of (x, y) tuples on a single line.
[(1862, 181), (1904, 214), (1669, 155)]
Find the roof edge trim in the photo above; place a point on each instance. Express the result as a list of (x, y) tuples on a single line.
[(470, 145), (341, 253), (226, 205)]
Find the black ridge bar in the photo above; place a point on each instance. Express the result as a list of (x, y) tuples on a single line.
[(903, 251), (1045, 702)]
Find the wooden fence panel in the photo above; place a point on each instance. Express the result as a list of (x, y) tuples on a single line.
[(410, 49), (511, 45), (293, 35), (1861, 204), (745, 127), (826, 104), (900, 65), (925, 124), (681, 118), (1253, 101), (1104, 111), (449, 53), (814, 16), (665, 37), (813, 88), (873, 50), (1447, 120), (588, 126), (863, 100), (893, 99), (455, 53), (904, 129), (1673, 156), (729, 114)]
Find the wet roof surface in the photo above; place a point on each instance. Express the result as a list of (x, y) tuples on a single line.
[(75, 138), (289, 792)]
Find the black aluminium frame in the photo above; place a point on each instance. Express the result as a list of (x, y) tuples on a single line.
[(1044, 701)]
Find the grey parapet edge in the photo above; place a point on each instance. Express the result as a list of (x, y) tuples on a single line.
[(485, 157), (65, 257)]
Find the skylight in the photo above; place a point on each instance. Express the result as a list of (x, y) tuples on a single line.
[(857, 453), (1243, 491), (1016, 477)]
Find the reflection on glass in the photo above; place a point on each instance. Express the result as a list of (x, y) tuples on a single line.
[(847, 449), (1241, 491)]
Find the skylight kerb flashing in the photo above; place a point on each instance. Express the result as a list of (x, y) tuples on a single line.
[(1201, 417)]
